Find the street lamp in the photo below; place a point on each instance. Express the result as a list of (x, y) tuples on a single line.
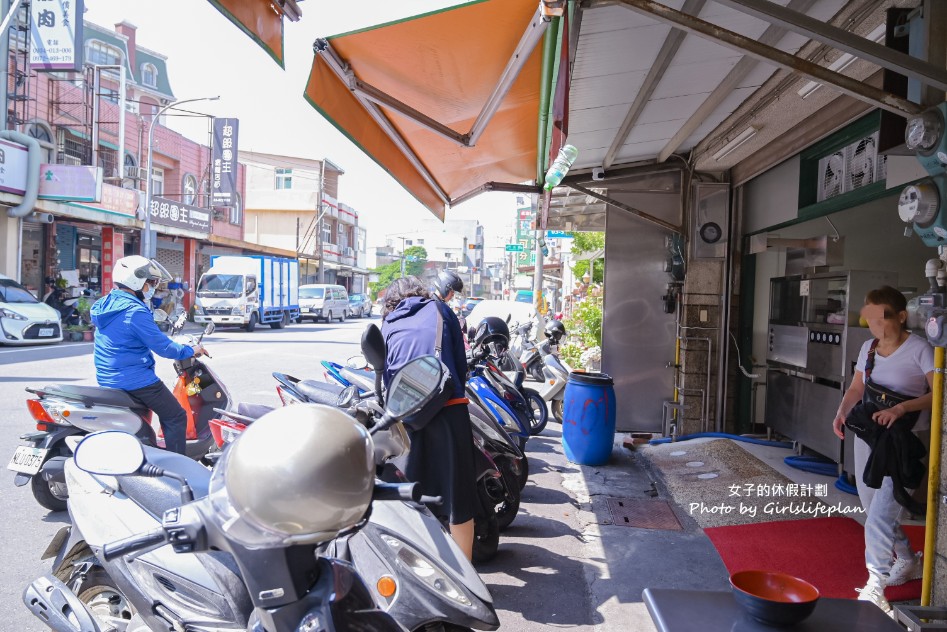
[(148, 246)]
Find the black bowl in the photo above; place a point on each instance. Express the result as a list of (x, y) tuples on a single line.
[(774, 598)]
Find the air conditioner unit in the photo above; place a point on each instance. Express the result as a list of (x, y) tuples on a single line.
[(137, 173)]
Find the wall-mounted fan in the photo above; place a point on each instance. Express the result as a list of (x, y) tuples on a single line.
[(831, 175), (861, 163)]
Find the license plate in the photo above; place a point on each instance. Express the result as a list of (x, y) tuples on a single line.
[(27, 460), (47, 331)]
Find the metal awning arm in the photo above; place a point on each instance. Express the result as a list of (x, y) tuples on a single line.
[(629, 209), (496, 186), (771, 55), (344, 73), (532, 35), (843, 40), (375, 95)]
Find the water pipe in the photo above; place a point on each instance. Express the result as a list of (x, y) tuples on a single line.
[(33, 149), (723, 435), (933, 476)]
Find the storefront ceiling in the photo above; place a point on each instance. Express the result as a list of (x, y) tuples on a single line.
[(650, 83)]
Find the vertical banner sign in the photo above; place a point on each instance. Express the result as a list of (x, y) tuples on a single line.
[(56, 35), (525, 229), (224, 190)]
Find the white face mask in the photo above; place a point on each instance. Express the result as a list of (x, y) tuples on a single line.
[(148, 294)]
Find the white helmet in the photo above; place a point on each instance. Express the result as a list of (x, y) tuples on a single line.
[(134, 271)]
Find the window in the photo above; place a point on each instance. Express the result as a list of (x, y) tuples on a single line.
[(149, 75), (109, 94), (44, 135), (157, 181), (236, 211), (189, 189), (101, 54), (326, 234), (284, 179), (420, 242), (108, 160), (74, 150)]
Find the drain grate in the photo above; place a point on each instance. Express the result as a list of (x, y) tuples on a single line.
[(642, 514)]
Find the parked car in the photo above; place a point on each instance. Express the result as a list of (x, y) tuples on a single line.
[(24, 319), (359, 305), (320, 301), (469, 304)]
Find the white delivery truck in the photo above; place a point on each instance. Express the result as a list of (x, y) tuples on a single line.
[(249, 290)]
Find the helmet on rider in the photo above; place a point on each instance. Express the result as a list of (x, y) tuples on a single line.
[(554, 330), (447, 281), (321, 483), (133, 272), (492, 330)]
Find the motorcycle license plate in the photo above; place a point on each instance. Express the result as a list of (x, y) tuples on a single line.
[(46, 332), (27, 460)]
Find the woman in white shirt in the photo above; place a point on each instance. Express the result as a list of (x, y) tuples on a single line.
[(903, 363)]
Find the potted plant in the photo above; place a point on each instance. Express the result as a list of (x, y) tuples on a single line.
[(73, 333)]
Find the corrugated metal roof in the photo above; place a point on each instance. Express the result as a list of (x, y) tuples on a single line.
[(616, 49)]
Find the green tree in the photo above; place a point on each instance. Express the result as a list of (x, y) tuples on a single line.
[(415, 260), (584, 244)]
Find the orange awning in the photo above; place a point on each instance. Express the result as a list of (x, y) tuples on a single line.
[(445, 66), (262, 20)]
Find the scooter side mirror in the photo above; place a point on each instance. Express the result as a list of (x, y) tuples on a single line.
[(357, 363), (111, 453), (414, 385), (209, 329), (471, 333), (373, 347), (159, 315)]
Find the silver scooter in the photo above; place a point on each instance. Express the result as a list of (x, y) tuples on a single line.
[(65, 410), (555, 375), (143, 554)]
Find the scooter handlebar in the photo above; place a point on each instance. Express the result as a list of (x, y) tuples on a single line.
[(134, 543), (397, 491)]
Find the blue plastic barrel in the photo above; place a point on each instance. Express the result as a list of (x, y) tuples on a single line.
[(588, 418)]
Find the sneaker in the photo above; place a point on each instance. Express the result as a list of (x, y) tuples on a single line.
[(906, 569), (876, 594)]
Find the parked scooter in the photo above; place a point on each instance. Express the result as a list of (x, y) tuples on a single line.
[(56, 298), (555, 370), (65, 410), (524, 350), (238, 560), (498, 494)]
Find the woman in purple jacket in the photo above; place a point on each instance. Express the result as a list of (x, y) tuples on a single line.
[(441, 459)]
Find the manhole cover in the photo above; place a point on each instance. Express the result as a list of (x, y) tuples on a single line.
[(643, 514)]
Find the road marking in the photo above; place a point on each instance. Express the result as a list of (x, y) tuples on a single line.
[(28, 348)]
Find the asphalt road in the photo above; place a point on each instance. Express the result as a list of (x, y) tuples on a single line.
[(541, 578)]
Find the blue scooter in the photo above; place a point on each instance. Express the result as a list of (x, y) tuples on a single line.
[(498, 395)]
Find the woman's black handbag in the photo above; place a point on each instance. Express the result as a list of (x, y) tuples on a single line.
[(876, 397), (426, 415)]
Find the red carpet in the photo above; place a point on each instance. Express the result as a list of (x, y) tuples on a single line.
[(829, 553)]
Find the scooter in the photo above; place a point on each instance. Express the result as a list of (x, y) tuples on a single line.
[(555, 375), (125, 510), (65, 410), (488, 434), (68, 314), (498, 482), (524, 352), (498, 395)]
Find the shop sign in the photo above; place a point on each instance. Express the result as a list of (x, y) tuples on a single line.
[(55, 30), (13, 165), (557, 234), (180, 215), (116, 200), (79, 183), (224, 190)]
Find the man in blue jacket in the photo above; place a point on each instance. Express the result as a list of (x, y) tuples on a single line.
[(126, 335)]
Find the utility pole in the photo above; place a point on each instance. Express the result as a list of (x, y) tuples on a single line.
[(402, 256)]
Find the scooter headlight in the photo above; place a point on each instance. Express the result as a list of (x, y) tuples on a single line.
[(427, 572)]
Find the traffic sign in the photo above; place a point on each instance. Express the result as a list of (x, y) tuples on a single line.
[(514, 248), (557, 234)]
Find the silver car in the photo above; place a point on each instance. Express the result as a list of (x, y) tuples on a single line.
[(24, 319)]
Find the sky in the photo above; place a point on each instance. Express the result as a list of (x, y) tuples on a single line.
[(209, 56)]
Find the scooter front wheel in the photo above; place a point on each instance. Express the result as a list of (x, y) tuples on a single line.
[(103, 598), (557, 408), (538, 412)]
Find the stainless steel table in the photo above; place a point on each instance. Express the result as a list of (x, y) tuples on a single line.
[(716, 611)]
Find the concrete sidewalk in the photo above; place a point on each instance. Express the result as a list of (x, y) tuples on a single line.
[(568, 562)]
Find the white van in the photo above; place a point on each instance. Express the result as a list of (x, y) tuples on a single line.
[(323, 301)]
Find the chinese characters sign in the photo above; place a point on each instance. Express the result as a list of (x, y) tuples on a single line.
[(525, 233), (13, 163), (56, 34), (170, 213), (78, 183), (224, 189)]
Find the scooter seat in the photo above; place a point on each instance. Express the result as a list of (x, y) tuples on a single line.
[(252, 411), (157, 495), (319, 392), (94, 395)]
